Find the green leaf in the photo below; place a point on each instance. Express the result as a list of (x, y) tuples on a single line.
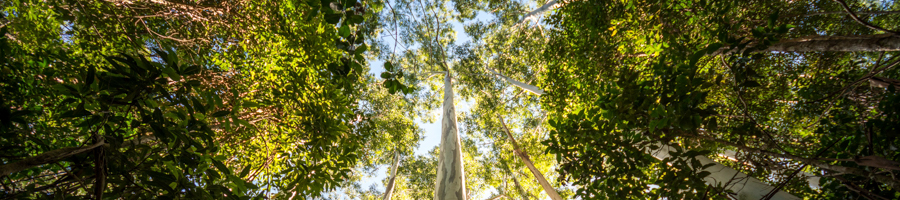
[(712, 48), (772, 19), (386, 75), (198, 106), (333, 18), (361, 49), (222, 168), (172, 74), (704, 174), (355, 19), (250, 104), (91, 74), (344, 31), (221, 113), (388, 66), (245, 171)]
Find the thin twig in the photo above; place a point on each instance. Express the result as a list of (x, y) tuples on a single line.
[(867, 24)]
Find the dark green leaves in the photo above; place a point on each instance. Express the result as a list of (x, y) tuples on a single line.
[(392, 79), (333, 18), (221, 113), (388, 66), (355, 19)]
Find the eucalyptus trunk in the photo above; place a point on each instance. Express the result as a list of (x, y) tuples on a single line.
[(451, 179), (811, 179), (389, 189), (746, 187), (534, 170)]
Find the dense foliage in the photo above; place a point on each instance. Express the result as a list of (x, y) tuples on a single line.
[(626, 74), (242, 99), (186, 99)]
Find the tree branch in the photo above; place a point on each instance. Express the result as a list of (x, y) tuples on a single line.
[(46, 157), (867, 24)]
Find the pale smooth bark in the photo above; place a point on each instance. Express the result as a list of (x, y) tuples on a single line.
[(552, 4), (746, 187), (527, 160), (891, 182), (45, 158), (817, 43), (811, 179), (389, 189), (530, 88), (451, 179)]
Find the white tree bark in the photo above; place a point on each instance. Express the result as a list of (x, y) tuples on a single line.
[(552, 4), (389, 189), (451, 179), (530, 88), (746, 187), (811, 179), (527, 160)]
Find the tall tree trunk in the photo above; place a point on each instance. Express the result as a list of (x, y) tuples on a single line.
[(451, 179), (527, 160), (389, 189), (45, 158), (746, 187), (816, 43)]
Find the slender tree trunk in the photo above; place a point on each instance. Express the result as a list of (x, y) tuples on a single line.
[(45, 158), (527, 160), (530, 88), (389, 189), (746, 187), (540, 10), (451, 179), (858, 43)]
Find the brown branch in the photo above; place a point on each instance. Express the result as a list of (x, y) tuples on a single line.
[(862, 191), (46, 157)]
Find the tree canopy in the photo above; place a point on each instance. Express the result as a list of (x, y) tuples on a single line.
[(627, 99)]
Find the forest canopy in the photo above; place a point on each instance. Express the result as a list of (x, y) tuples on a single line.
[(331, 99)]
